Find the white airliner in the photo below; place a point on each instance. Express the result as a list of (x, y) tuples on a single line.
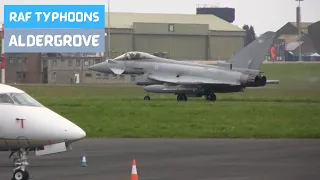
[(26, 125)]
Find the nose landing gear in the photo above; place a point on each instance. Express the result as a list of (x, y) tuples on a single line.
[(147, 97), (20, 172), (20, 175)]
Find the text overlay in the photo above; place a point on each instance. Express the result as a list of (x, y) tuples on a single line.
[(54, 16), (54, 28), (54, 40)]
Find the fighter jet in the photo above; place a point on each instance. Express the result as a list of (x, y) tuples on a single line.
[(28, 126), (187, 79)]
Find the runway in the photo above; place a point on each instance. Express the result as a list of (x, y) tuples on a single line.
[(178, 159)]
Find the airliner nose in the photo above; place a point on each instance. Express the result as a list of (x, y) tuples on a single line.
[(76, 133), (81, 133)]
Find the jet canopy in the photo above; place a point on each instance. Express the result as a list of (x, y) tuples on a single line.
[(135, 56)]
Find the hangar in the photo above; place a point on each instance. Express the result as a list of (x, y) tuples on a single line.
[(181, 36), (287, 41), (314, 33)]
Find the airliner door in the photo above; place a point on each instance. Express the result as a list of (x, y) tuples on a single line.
[(23, 141)]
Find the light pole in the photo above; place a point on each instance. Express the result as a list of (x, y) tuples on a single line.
[(299, 27), (109, 35)]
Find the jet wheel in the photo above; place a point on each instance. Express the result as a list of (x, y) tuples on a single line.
[(147, 98), (182, 97), (211, 97), (20, 175)]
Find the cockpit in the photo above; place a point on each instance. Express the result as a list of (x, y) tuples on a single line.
[(22, 99), (134, 56)]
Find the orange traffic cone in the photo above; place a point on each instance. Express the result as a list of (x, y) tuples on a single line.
[(134, 173)]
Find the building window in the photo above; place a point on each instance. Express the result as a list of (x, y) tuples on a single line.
[(19, 60), (55, 62), (86, 62), (105, 76), (96, 61), (25, 60), (77, 62), (11, 59), (88, 75), (98, 76), (70, 62), (54, 75), (45, 63)]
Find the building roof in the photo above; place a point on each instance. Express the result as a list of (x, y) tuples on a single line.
[(304, 26), (289, 37), (126, 20)]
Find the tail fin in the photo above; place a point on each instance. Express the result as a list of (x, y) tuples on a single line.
[(252, 56)]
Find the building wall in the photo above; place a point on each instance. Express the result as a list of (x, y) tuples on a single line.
[(121, 41), (64, 70), (180, 41), (224, 47), (185, 42), (180, 47), (314, 33), (307, 46), (289, 32), (287, 29), (188, 47), (23, 68)]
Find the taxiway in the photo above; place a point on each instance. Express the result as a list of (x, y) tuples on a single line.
[(173, 159)]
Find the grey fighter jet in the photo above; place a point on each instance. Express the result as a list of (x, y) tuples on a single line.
[(187, 79)]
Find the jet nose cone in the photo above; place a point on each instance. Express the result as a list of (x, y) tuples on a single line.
[(100, 67)]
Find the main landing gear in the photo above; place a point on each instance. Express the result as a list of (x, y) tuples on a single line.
[(182, 97), (20, 172), (211, 97)]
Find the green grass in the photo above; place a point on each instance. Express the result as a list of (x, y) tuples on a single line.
[(288, 110)]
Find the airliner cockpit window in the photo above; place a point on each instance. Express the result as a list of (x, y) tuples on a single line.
[(5, 99), (24, 99)]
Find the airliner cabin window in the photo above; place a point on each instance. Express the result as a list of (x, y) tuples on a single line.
[(24, 99), (5, 99)]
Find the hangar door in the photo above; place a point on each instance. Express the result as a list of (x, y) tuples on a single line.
[(178, 46), (188, 47), (151, 43), (224, 47)]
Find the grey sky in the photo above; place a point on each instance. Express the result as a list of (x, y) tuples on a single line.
[(264, 15)]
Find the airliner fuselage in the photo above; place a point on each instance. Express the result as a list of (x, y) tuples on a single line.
[(26, 125)]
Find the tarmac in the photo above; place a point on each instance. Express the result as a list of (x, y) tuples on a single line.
[(178, 159)]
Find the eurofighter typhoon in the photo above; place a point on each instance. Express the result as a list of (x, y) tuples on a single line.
[(188, 79)]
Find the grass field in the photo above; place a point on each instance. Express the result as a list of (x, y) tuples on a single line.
[(288, 110)]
